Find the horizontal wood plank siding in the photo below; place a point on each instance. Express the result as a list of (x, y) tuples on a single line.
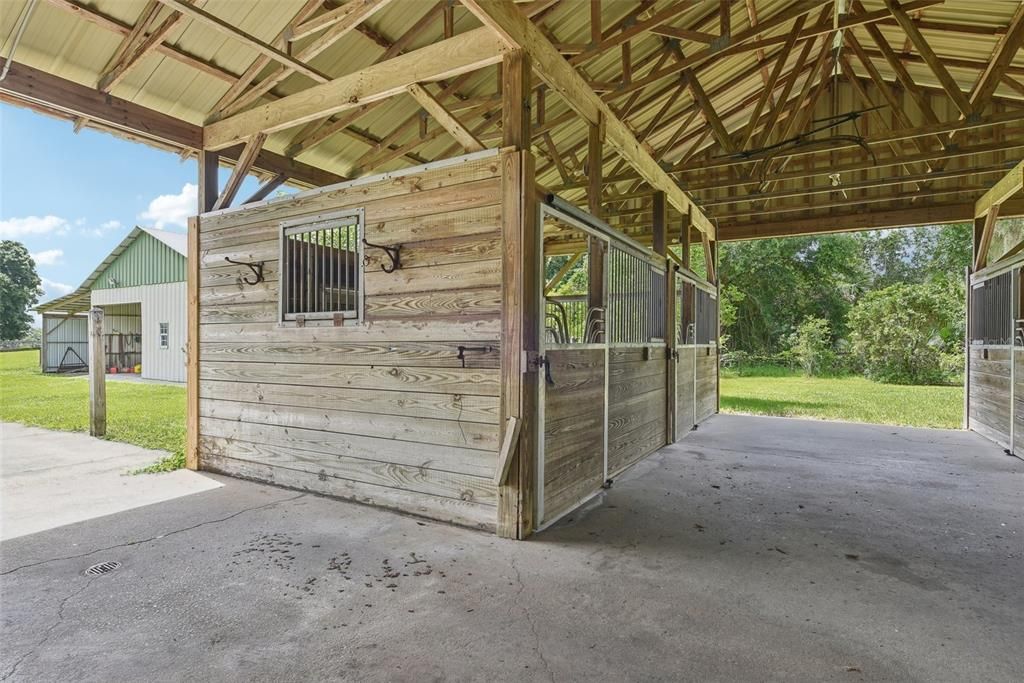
[(399, 410), (707, 382), (573, 428), (685, 375), (636, 408), (990, 392)]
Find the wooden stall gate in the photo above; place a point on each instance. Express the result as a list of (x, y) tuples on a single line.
[(995, 365), (603, 393), (696, 336)]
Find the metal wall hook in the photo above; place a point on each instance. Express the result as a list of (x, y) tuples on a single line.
[(394, 253), (256, 268)]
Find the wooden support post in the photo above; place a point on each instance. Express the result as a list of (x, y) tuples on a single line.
[(209, 164), (192, 348), (659, 225), (97, 375), (718, 330), (595, 183), (684, 238), (520, 325)]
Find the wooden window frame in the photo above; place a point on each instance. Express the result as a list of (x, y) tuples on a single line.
[(309, 224), (164, 335)]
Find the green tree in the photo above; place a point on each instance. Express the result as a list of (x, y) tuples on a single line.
[(20, 289), (811, 344), (775, 284), (900, 333)]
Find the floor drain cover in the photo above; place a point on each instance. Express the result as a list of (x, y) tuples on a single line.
[(102, 568)]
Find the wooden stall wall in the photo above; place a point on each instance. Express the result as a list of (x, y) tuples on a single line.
[(707, 381), (636, 404), (400, 410), (686, 416), (573, 428)]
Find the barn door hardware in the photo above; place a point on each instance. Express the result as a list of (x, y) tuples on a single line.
[(255, 267), (463, 349), (394, 253), (534, 361)]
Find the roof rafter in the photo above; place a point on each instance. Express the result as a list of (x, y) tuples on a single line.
[(505, 18)]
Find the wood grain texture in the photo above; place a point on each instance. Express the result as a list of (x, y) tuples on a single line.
[(573, 428), (382, 410), (449, 510)]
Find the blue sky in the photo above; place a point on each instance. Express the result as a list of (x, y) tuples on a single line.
[(71, 198)]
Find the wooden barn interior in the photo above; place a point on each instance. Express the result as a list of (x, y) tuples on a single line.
[(389, 333)]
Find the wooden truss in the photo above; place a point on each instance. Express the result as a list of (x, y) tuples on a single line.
[(701, 101)]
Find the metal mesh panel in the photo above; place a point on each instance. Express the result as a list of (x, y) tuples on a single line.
[(990, 310), (320, 270), (636, 298)]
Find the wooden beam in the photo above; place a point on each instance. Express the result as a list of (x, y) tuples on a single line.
[(349, 15), (1008, 185), (262, 61), (922, 213), (928, 54), (659, 224), (770, 82), (505, 18), (464, 53), (209, 183), (709, 258), (266, 188), (744, 41), (97, 374), (557, 277), (121, 69), (240, 171), (1009, 46), (985, 241), (222, 26), (88, 14), (445, 118)]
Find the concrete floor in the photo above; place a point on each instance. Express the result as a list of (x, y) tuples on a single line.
[(49, 479), (757, 549)]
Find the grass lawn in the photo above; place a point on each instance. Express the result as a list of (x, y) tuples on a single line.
[(853, 399), (147, 415)]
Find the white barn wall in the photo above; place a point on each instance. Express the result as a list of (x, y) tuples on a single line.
[(164, 303), (59, 333)]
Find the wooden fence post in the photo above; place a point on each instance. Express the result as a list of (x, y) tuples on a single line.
[(97, 375)]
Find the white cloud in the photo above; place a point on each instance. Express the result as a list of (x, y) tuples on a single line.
[(55, 288), (172, 209), (111, 225), (32, 225), (49, 257)]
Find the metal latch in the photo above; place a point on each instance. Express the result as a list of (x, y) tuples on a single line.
[(463, 349), (534, 361)]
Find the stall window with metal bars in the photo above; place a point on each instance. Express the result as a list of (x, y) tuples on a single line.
[(991, 315), (636, 299), (321, 269)]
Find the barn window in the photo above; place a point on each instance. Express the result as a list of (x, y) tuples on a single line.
[(321, 269), (165, 335)]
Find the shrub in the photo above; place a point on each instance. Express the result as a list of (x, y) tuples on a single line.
[(811, 345), (898, 333)]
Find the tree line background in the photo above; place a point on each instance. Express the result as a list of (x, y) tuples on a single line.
[(889, 305)]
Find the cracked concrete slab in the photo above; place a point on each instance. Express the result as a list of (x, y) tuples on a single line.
[(49, 479), (757, 549)]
